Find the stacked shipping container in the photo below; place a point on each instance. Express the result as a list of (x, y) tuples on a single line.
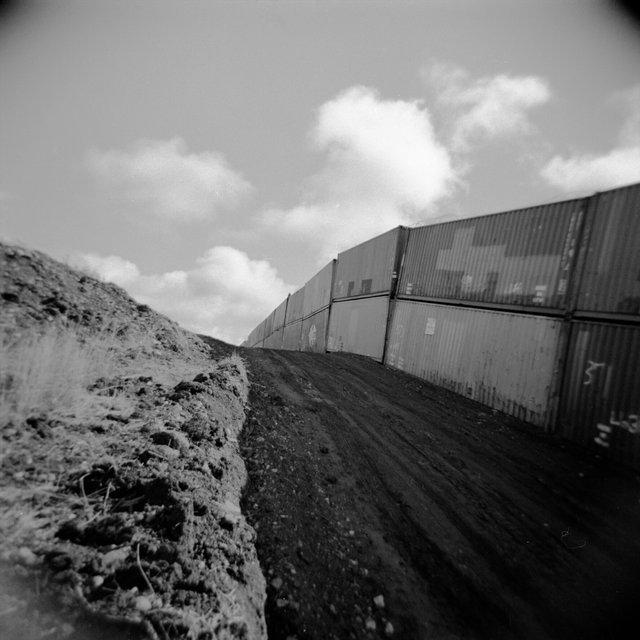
[(315, 310), (365, 279), (534, 312)]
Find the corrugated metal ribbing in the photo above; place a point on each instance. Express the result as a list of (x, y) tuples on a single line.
[(610, 279), (358, 326), (504, 360), (314, 332), (521, 257), (317, 291), (274, 341), (279, 314), (291, 338), (268, 325), (600, 404), (367, 268), (295, 306)]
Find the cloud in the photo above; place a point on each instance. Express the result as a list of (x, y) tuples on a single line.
[(225, 294), (594, 172), (383, 167), (160, 178), (485, 108), (616, 167)]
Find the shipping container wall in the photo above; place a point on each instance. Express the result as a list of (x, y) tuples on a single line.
[(359, 326), (274, 341), (504, 360), (317, 291), (295, 306), (610, 279), (600, 404), (367, 268), (521, 257), (279, 314), (268, 325), (292, 334), (314, 332)]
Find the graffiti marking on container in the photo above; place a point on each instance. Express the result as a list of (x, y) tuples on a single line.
[(630, 424), (604, 431), (590, 370)]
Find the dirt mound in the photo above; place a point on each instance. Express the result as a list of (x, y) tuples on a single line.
[(120, 505)]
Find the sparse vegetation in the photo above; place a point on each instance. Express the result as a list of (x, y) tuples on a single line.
[(50, 374)]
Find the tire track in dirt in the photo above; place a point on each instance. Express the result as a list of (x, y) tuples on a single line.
[(478, 525)]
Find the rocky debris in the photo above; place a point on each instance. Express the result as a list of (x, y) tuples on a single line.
[(127, 525)]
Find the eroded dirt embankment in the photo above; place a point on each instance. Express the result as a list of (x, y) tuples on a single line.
[(367, 482), (119, 511)]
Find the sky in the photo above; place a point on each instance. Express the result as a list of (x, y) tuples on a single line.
[(210, 157)]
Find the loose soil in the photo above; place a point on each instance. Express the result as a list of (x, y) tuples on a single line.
[(122, 523), (367, 482)]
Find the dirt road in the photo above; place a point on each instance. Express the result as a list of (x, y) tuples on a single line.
[(366, 482)]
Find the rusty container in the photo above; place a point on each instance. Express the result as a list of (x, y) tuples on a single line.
[(295, 306), (600, 402), (314, 332), (359, 326), (292, 335), (609, 282), (504, 360), (317, 291), (370, 268), (521, 259)]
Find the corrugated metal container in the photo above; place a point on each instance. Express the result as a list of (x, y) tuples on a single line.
[(522, 257), (610, 279), (274, 341), (317, 291), (504, 360), (292, 334), (600, 403), (268, 325), (279, 314), (359, 326), (295, 306), (369, 268), (314, 332)]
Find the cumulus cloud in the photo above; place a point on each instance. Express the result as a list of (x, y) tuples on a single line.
[(485, 108), (161, 178), (614, 168), (225, 294), (383, 167)]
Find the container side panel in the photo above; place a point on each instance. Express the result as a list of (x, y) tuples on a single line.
[(295, 306), (268, 325), (367, 268), (518, 257), (600, 403), (279, 315), (506, 361), (274, 341), (317, 291), (314, 331), (610, 281), (291, 336), (358, 326)]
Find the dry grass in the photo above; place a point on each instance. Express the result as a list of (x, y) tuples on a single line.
[(48, 374)]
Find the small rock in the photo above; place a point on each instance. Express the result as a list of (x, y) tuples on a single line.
[(27, 557), (276, 583), (281, 602), (142, 603), (388, 629), (370, 624), (332, 608), (97, 581), (379, 601)]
